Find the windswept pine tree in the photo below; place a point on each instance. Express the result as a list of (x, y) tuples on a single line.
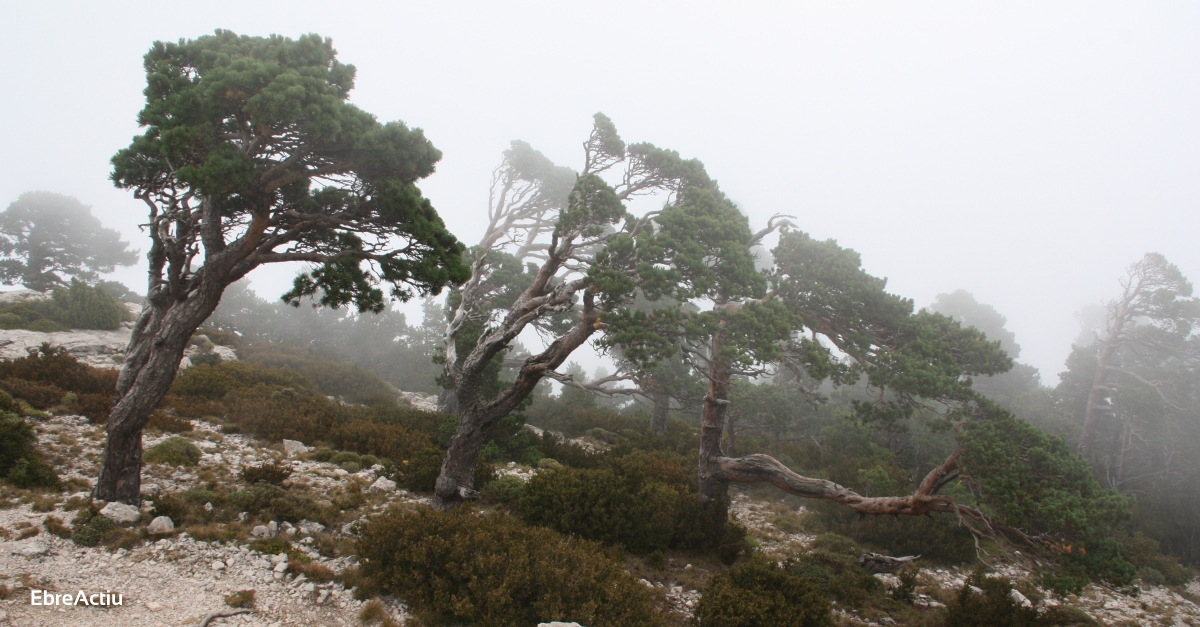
[(252, 155)]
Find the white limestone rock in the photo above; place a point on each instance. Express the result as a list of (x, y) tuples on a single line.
[(161, 525), (30, 549), (121, 513), (383, 484), (294, 447)]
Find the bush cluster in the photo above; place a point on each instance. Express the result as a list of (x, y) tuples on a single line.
[(988, 602), (273, 473), (342, 380), (45, 377), (643, 501), (492, 571), (758, 593), (77, 306), (20, 462), (831, 565), (175, 451), (274, 403)]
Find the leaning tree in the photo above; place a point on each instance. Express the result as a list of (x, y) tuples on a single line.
[(252, 155), (560, 254), (818, 314)]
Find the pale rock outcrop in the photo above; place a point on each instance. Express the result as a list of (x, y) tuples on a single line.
[(383, 484), (161, 525), (120, 513), (94, 347), (294, 447)]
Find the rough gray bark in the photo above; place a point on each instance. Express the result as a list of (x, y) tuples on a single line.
[(152, 361)]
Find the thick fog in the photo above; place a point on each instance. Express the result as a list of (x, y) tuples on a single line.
[(1024, 152)]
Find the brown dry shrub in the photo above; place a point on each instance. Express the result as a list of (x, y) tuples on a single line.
[(311, 570), (56, 526), (163, 421), (96, 407), (39, 395), (193, 406), (492, 571), (241, 598)]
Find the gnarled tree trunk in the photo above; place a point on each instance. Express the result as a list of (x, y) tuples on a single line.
[(478, 417), (717, 470), (151, 363)]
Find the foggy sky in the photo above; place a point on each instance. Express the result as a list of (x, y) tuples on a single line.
[(1025, 152)]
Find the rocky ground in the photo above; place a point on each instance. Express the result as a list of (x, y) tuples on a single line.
[(176, 579)]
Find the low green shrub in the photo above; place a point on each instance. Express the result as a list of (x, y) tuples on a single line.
[(93, 531), (491, 571), (331, 377), (175, 451), (504, 489), (271, 546), (939, 538), (1144, 554), (20, 462), (988, 602), (215, 381), (758, 593), (273, 473), (81, 306), (644, 501), (837, 575)]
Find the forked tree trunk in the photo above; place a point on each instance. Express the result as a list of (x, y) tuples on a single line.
[(151, 363), (478, 417), (658, 418)]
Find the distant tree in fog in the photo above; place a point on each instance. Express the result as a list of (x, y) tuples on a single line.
[(47, 239)]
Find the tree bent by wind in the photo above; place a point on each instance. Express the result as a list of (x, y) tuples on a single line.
[(252, 155), (560, 254), (819, 315)]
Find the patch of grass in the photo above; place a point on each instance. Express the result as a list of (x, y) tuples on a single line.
[(241, 598), (28, 533), (56, 526), (273, 473), (311, 570), (175, 451)]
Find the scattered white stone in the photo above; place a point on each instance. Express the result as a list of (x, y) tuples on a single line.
[(558, 624), (280, 567), (218, 565), (30, 549), (383, 484), (151, 489), (260, 531), (152, 606), (273, 527), (120, 513), (208, 507), (311, 528), (294, 447), (1019, 598), (161, 525)]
